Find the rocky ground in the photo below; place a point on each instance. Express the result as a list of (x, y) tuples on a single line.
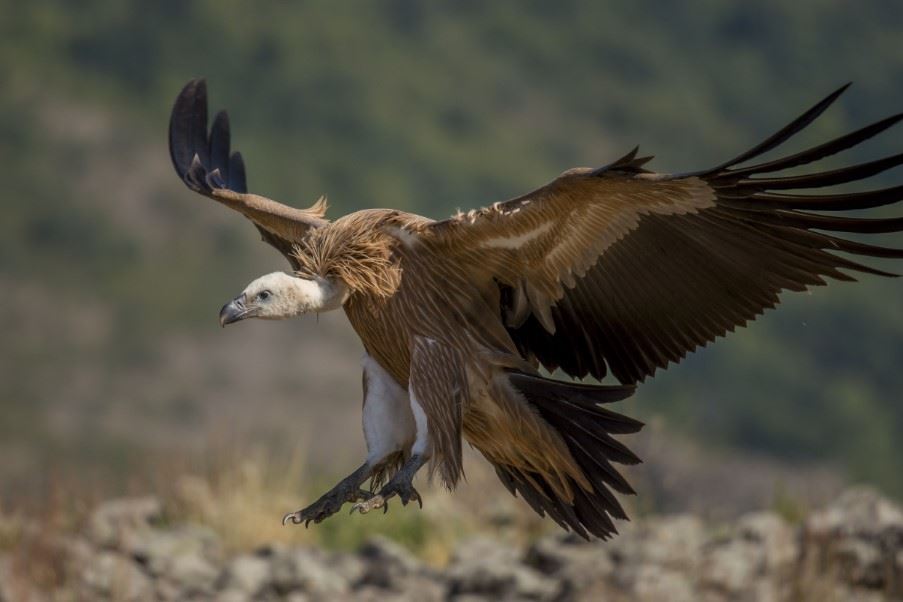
[(850, 550)]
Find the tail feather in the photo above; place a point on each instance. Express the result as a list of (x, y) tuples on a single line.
[(573, 410)]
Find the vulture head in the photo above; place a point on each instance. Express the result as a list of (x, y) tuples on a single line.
[(279, 295)]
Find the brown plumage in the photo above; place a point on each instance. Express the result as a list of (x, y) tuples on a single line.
[(352, 251), (611, 269)]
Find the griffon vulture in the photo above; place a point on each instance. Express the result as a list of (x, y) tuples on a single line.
[(614, 269)]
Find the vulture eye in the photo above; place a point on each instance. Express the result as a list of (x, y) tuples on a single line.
[(264, 295)]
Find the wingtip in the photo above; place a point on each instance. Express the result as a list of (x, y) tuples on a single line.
[(197, 82), (830, 99), (194, 88), (782, 135), (221, 117), (837, 93), (188, 125)]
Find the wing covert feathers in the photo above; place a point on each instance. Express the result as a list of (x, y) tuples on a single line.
[(624, 271)]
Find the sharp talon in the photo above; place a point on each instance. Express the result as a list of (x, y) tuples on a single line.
[(385, 507)]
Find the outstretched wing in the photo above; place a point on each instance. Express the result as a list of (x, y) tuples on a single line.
[(203, 161), (622, 269)]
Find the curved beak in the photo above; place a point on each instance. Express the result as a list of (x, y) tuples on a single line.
[(234, 311)]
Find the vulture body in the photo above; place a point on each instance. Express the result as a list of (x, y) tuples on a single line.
[(615, 269)]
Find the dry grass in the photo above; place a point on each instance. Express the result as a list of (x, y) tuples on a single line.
[(35, 555), (244, 500), (242, 496)]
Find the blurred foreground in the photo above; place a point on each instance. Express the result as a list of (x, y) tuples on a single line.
[(142, 549), (702, 523)]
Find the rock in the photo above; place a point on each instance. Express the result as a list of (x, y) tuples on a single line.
[(7, 580), (191, 574), (347, 566), (389, 566), (424, 588), (657, 555), (856, 540), (779, 542), (850, 550), (471, 598), (248, 573), (754, 560), (412, 589), (386, 562), (484, 567), (732, 566), (184, 560), (113, 576), (861, 511), (159, 550), (233, 595), (119, 523), (578, 564), (657, 583), (671, 541), (308, 570), (859, 562)]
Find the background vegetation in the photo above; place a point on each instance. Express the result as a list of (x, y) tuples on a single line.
[(112, 273)]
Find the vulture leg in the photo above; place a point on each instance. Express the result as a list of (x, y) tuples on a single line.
[(389, 430), (348, 490), (436, 396)]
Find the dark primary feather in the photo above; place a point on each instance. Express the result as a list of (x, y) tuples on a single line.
[(784, 134), (195, 155), (819, 152), (573, 410), (205, 163), (677, 282)]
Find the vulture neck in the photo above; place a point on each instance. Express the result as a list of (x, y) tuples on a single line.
[(355, 251), (317, 295)]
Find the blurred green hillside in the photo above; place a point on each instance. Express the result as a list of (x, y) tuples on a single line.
[(113, 273)]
